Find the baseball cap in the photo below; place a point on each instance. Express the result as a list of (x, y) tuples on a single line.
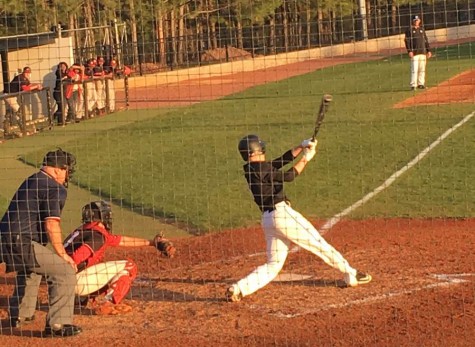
[(415, 18), (60, 159)]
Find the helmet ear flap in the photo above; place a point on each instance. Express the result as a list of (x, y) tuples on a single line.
[(249, 145)]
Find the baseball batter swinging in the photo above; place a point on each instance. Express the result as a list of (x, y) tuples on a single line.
[(283, 225)]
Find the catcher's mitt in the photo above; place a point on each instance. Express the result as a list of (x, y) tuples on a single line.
[(164, 246)]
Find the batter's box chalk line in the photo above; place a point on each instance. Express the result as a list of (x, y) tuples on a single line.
[(443, 280)]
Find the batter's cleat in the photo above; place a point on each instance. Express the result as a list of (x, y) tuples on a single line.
[(413, 88), (360, 278), (421, 86), (233, 294)]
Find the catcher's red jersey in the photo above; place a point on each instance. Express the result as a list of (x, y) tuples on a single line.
[(87, 244)]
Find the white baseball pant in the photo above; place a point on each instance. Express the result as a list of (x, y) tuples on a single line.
[(418, 70), (282, 227)]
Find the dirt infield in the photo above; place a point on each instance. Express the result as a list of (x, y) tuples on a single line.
[(422, 294), (460, 88)]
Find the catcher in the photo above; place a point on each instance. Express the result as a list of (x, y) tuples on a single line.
[(105, 282)]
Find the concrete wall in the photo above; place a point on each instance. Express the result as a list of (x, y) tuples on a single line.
[(373, 46)]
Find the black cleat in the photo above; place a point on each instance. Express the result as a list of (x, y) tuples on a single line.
[(19, 322), (64, 330), (421, 87)]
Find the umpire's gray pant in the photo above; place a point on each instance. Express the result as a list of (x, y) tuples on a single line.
[(61, 280)]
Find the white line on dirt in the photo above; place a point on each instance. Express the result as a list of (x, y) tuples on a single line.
[(335, 219), (446, 280)]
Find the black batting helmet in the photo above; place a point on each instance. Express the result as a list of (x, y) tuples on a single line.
[(251, 144), (98, 211)]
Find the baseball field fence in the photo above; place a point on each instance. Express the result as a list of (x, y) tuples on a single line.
[(391, 187)]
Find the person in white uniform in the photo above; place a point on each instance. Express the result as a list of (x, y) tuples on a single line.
[(283, 225)]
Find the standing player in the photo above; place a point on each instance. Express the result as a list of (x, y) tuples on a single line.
[(106, 283), (30, 223), (282, 225), (418, 48)]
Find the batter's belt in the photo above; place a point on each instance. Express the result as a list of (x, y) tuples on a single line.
[(271, 209)]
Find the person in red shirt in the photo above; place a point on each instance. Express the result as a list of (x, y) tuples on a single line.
[(103, 282)]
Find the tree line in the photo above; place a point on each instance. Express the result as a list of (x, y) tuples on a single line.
[(175, 33)]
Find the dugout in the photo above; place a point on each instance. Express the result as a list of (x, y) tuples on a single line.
[(41, 52)]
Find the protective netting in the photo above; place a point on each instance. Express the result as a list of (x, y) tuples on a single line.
[(125, 126)]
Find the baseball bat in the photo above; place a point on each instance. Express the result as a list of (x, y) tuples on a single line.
[(326, 99)]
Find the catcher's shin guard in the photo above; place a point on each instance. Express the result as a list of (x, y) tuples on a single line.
[(121, 286)]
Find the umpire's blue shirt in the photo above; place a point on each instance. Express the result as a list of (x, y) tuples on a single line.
[(38, 198)]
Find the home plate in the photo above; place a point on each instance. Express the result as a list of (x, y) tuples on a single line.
[(290, 277)]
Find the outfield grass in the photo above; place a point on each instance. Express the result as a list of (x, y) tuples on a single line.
[(183, 164)]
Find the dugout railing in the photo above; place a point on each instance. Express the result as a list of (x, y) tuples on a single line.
[(37, 108), (85, 107), (34, 112)]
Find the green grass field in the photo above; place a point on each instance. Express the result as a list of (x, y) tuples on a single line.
[(182, 164)]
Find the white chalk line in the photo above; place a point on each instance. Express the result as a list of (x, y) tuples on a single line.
[(446, 280), (335, 219)]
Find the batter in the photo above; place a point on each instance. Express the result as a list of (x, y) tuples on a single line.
[(283, 225)]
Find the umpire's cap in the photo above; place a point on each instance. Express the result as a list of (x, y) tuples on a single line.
[(251, 144), (60, 159)]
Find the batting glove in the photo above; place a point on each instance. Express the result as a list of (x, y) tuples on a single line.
[(309, 153), (313, 144), (306, 143)]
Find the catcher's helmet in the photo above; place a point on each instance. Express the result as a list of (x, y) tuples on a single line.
[(251, 144), (98, 211)]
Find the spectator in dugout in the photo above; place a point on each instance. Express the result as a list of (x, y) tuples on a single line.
[(112, 72), (58, 92), (99, 81), (73, 92), (20, 83), (90, 87)]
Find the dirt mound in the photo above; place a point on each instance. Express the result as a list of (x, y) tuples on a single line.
[(225, 54)]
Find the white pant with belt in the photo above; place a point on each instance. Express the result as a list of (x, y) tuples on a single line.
[(418, 70), (282, 227)]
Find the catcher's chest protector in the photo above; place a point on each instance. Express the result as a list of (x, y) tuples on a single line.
[(78, 239)]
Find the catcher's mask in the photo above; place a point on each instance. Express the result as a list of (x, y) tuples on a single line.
[(98, 211), (251, 144), (62, 160)]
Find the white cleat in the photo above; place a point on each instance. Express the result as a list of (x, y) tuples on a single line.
[(359, 278), (233, 294)]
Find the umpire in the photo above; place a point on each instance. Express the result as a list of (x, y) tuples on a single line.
[(31, 221)]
